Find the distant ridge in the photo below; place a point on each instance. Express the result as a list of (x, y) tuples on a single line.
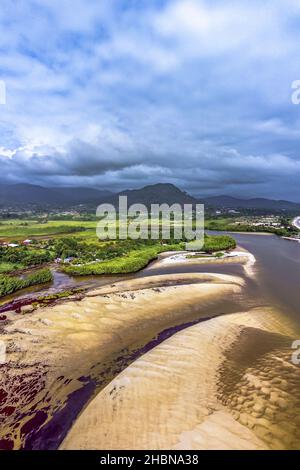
[(228, 202), (22, 195)]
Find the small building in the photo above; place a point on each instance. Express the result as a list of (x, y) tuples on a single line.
[(13, 245), (27, 242)]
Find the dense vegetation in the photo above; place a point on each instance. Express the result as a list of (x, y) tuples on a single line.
[(228, 225), (9, 267), (82, 253), (10, 284), (215, 243), (74, 245), (144, 252), (23, 256), (130, 262), (84, 249), (281, 232)]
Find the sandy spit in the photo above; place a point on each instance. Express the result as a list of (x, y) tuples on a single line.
[(54, 351), (240, 256), (227, 383)]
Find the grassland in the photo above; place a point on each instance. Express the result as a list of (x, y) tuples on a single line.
[(16, 230)]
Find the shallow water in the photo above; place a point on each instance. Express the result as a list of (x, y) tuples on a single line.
[(277, 270)]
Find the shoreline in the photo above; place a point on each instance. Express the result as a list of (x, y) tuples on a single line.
[(291, 239), (296, 222)]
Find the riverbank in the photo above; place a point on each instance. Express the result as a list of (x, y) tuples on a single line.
[(292, 239), (10, 284)]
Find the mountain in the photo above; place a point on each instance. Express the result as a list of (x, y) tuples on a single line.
[(228, 202), (23, 194), (155, 194), (83, 195)]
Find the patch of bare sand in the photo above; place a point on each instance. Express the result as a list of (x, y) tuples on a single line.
[(49, 350), (227, 383), (179, 258)]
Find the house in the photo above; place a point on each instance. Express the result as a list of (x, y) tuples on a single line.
[(27, 242), (13, 245)]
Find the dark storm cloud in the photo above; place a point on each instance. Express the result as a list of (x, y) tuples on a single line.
[(192, 92)]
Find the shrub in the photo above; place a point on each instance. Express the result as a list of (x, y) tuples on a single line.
[(214, 243), (11, 284), (129, 263)]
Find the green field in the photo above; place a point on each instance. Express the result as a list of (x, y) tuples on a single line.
[(11, 230), (220, 223)]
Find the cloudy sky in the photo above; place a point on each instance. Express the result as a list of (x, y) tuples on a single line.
[(122, 93)]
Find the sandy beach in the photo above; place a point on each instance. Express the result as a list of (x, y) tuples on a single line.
[(154, 362), (238, 256), (204, 388), (57, 354)]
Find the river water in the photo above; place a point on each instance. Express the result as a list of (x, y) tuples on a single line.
[(277, 269)]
